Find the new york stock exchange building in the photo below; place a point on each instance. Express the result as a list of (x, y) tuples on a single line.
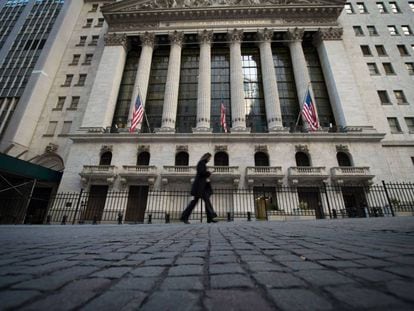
[(230, 78)]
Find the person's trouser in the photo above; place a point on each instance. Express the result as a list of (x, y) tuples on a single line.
[(209, 208)]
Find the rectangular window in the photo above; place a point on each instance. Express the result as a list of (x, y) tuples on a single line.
[(94, 7), (411, 4), (381, 7), (81, 81), (394, 125), (60, 103), (75, 60), (82, 41), (366, 50), (358, 31), (361, 8), (384, 98), (389, 70), (349, 9), (373, 69), (410, 68), (394, 7), (410, 124), (66, 128), (372, 31), (400, 97), (89, 22), (381, 50), (94, 40), (100, 22), (393, 30), (88, 59), (68, 80), (74, 103), (406, 30), (51, 128), (403, 50)]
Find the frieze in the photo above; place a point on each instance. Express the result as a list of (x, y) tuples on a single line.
[(329, 34), (114, 39)]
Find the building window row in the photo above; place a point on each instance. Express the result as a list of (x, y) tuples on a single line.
[(392, 29), (382, 7), (69, 79), (51, 129), (381, 51), (399, 97), (89, 22), (388, 69), (61, 102), (396, 128), (76, 58), (94, 8), (93, 42)]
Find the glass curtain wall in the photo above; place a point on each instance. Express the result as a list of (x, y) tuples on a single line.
[(286, 85), (123, 105), (320, 93), (220, 83), (187, 98), (156, 86), (253, 89)]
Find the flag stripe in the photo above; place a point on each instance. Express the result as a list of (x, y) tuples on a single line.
[(223, 118), (137, 114), (309, 112)]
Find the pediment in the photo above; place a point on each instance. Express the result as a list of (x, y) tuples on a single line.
[(144, 5)]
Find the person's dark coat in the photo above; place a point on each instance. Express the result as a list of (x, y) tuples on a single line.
[(201, 186)]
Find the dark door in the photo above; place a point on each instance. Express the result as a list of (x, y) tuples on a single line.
[(96, 203), (137, 203), (309, 201), (355, 201), (36, 212)]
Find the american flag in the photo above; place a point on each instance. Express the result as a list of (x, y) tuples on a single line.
[(137, 114), (223, 118), (309, 112)]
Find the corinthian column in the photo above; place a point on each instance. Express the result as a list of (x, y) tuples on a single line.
[(104, 93), (271, 93), (204, 83), (238, 107), (169, 112), (143, 72)]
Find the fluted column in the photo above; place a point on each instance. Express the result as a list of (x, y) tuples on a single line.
[(340, 81), (271, 93), (169, 112), (238, 106), (143, 72), (102, 100), (204, 83)]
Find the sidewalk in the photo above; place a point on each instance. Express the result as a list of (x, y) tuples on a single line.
[(350, 264)]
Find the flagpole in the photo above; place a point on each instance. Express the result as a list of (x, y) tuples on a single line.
[(145, 113)]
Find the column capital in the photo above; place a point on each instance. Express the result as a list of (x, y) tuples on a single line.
[(235, 36), (176, 38), (295, 34), (114, 39), (328, 34), (265, 35), (205, 36), (147, 39)]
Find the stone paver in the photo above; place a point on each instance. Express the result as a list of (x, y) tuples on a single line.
[(343, 264)]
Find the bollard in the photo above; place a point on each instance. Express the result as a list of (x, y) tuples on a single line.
[(228, 216), (249, 216), (95, 220), (149, 218), (120, 216), (48, 219), (167, 218), (334, 214), (64, 219)]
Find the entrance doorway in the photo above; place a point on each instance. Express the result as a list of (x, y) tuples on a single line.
[(96, 203), (137, 203), (355, 201), (310, 200), (37, 209)]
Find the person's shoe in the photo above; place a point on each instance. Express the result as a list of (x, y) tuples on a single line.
[(185, 221), (211, 221)]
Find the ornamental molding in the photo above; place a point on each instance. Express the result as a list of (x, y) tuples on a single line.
[(143, 148), (106, 148), (51, 148), (302, 148), (205, 36), (342, 148), (181, 148), (113, 39), (328, 34), (148, 39), (261, 148), (235, 36), (295, 34), (265, 35), (220, 148), (176, 38)]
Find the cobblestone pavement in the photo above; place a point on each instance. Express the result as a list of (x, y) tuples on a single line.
[(359, 264)]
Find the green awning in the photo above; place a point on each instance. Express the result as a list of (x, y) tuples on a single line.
[(26, 169)]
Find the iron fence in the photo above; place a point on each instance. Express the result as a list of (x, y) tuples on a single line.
[(258, 203)]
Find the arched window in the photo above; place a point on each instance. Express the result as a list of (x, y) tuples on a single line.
[(221, 159), (181, 158), (261, 159), (302, 159), (143, 158), (106, 158), (343, 159)]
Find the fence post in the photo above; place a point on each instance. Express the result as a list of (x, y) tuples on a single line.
[(388, 198), (249, 216), (264, 197), (228, 216), (149, 218), (327, 200), (77, 206), (167, 218), (201, 210), (29, 199)]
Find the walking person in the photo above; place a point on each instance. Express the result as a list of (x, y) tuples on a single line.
[(201, 189)]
